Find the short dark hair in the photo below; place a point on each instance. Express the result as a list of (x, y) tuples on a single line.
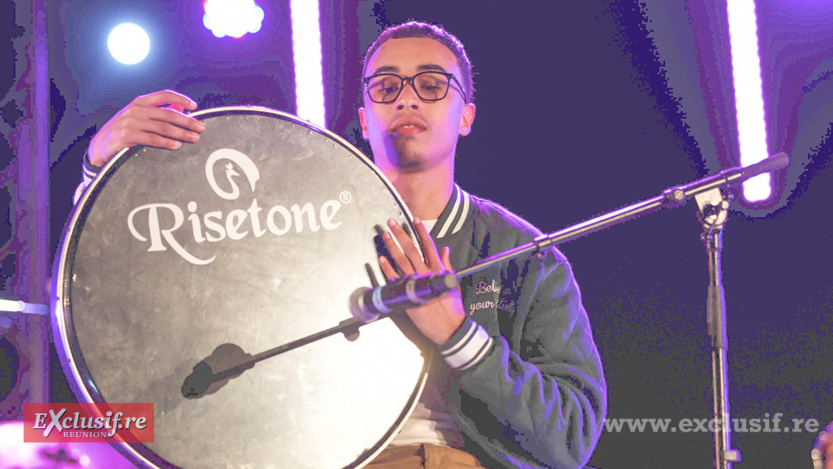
[(431, 31)]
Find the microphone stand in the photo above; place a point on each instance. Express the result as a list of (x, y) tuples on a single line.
[(714, 205)]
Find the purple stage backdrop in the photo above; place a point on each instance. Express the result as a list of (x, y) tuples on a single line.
[(582, 107)]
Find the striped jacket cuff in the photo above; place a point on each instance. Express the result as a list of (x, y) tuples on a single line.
[(88, 173), (468, 346)]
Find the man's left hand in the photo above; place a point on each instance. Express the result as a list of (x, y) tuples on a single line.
[(439, 318)]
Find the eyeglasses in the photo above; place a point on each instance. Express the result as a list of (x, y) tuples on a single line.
[(385, 88)]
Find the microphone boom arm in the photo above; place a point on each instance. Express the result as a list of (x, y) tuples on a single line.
[(672, 197)]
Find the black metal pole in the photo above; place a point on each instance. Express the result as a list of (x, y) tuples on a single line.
[(713, 216)]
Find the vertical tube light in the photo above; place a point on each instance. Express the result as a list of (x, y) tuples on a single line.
[(749, 102), (306, 52)]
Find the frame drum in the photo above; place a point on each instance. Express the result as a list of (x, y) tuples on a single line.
[(249, 239)]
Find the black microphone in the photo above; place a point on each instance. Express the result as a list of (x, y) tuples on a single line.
[(676, 196), (773, 163), (366, 304)]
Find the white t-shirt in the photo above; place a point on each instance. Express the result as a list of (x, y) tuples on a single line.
[(431, 421)]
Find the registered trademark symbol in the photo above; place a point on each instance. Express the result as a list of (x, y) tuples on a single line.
[(345, 197)]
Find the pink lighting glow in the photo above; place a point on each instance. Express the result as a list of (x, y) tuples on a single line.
[(232, 18)]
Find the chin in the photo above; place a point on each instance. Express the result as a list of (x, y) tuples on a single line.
[(409, 165), (407, 159)]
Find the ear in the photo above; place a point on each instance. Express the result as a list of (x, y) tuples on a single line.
[(466, 119), (363, 122)]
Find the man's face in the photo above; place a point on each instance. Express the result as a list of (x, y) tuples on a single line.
[(409, 134)]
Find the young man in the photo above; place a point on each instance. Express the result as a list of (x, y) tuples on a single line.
[(517, 381)]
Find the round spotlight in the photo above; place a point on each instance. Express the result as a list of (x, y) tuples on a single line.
[(128, 43)]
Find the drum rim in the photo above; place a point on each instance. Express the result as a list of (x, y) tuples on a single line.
[(63, 330)]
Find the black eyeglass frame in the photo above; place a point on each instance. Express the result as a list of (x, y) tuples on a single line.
[(410, 79)]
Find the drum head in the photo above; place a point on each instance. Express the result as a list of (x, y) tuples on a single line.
[(249, 239)]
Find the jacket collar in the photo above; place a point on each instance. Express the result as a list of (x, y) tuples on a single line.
[(454, 215)]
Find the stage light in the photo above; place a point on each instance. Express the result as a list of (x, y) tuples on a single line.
[(128, 43), (306, 52), (232, 18), (749, 101)]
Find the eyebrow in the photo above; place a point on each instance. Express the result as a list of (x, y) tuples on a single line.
[(421, 68)]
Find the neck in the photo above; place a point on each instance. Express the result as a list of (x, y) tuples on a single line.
[(426, 193)]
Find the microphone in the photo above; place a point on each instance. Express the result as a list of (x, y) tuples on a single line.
[(676, 196), (366, 304), (773, 163)]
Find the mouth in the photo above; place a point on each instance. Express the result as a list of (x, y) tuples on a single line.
[(407, 128)]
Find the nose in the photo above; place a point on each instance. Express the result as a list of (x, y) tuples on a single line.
[(408, 97)]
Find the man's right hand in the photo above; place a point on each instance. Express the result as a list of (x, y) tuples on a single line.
[(155, 119)]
